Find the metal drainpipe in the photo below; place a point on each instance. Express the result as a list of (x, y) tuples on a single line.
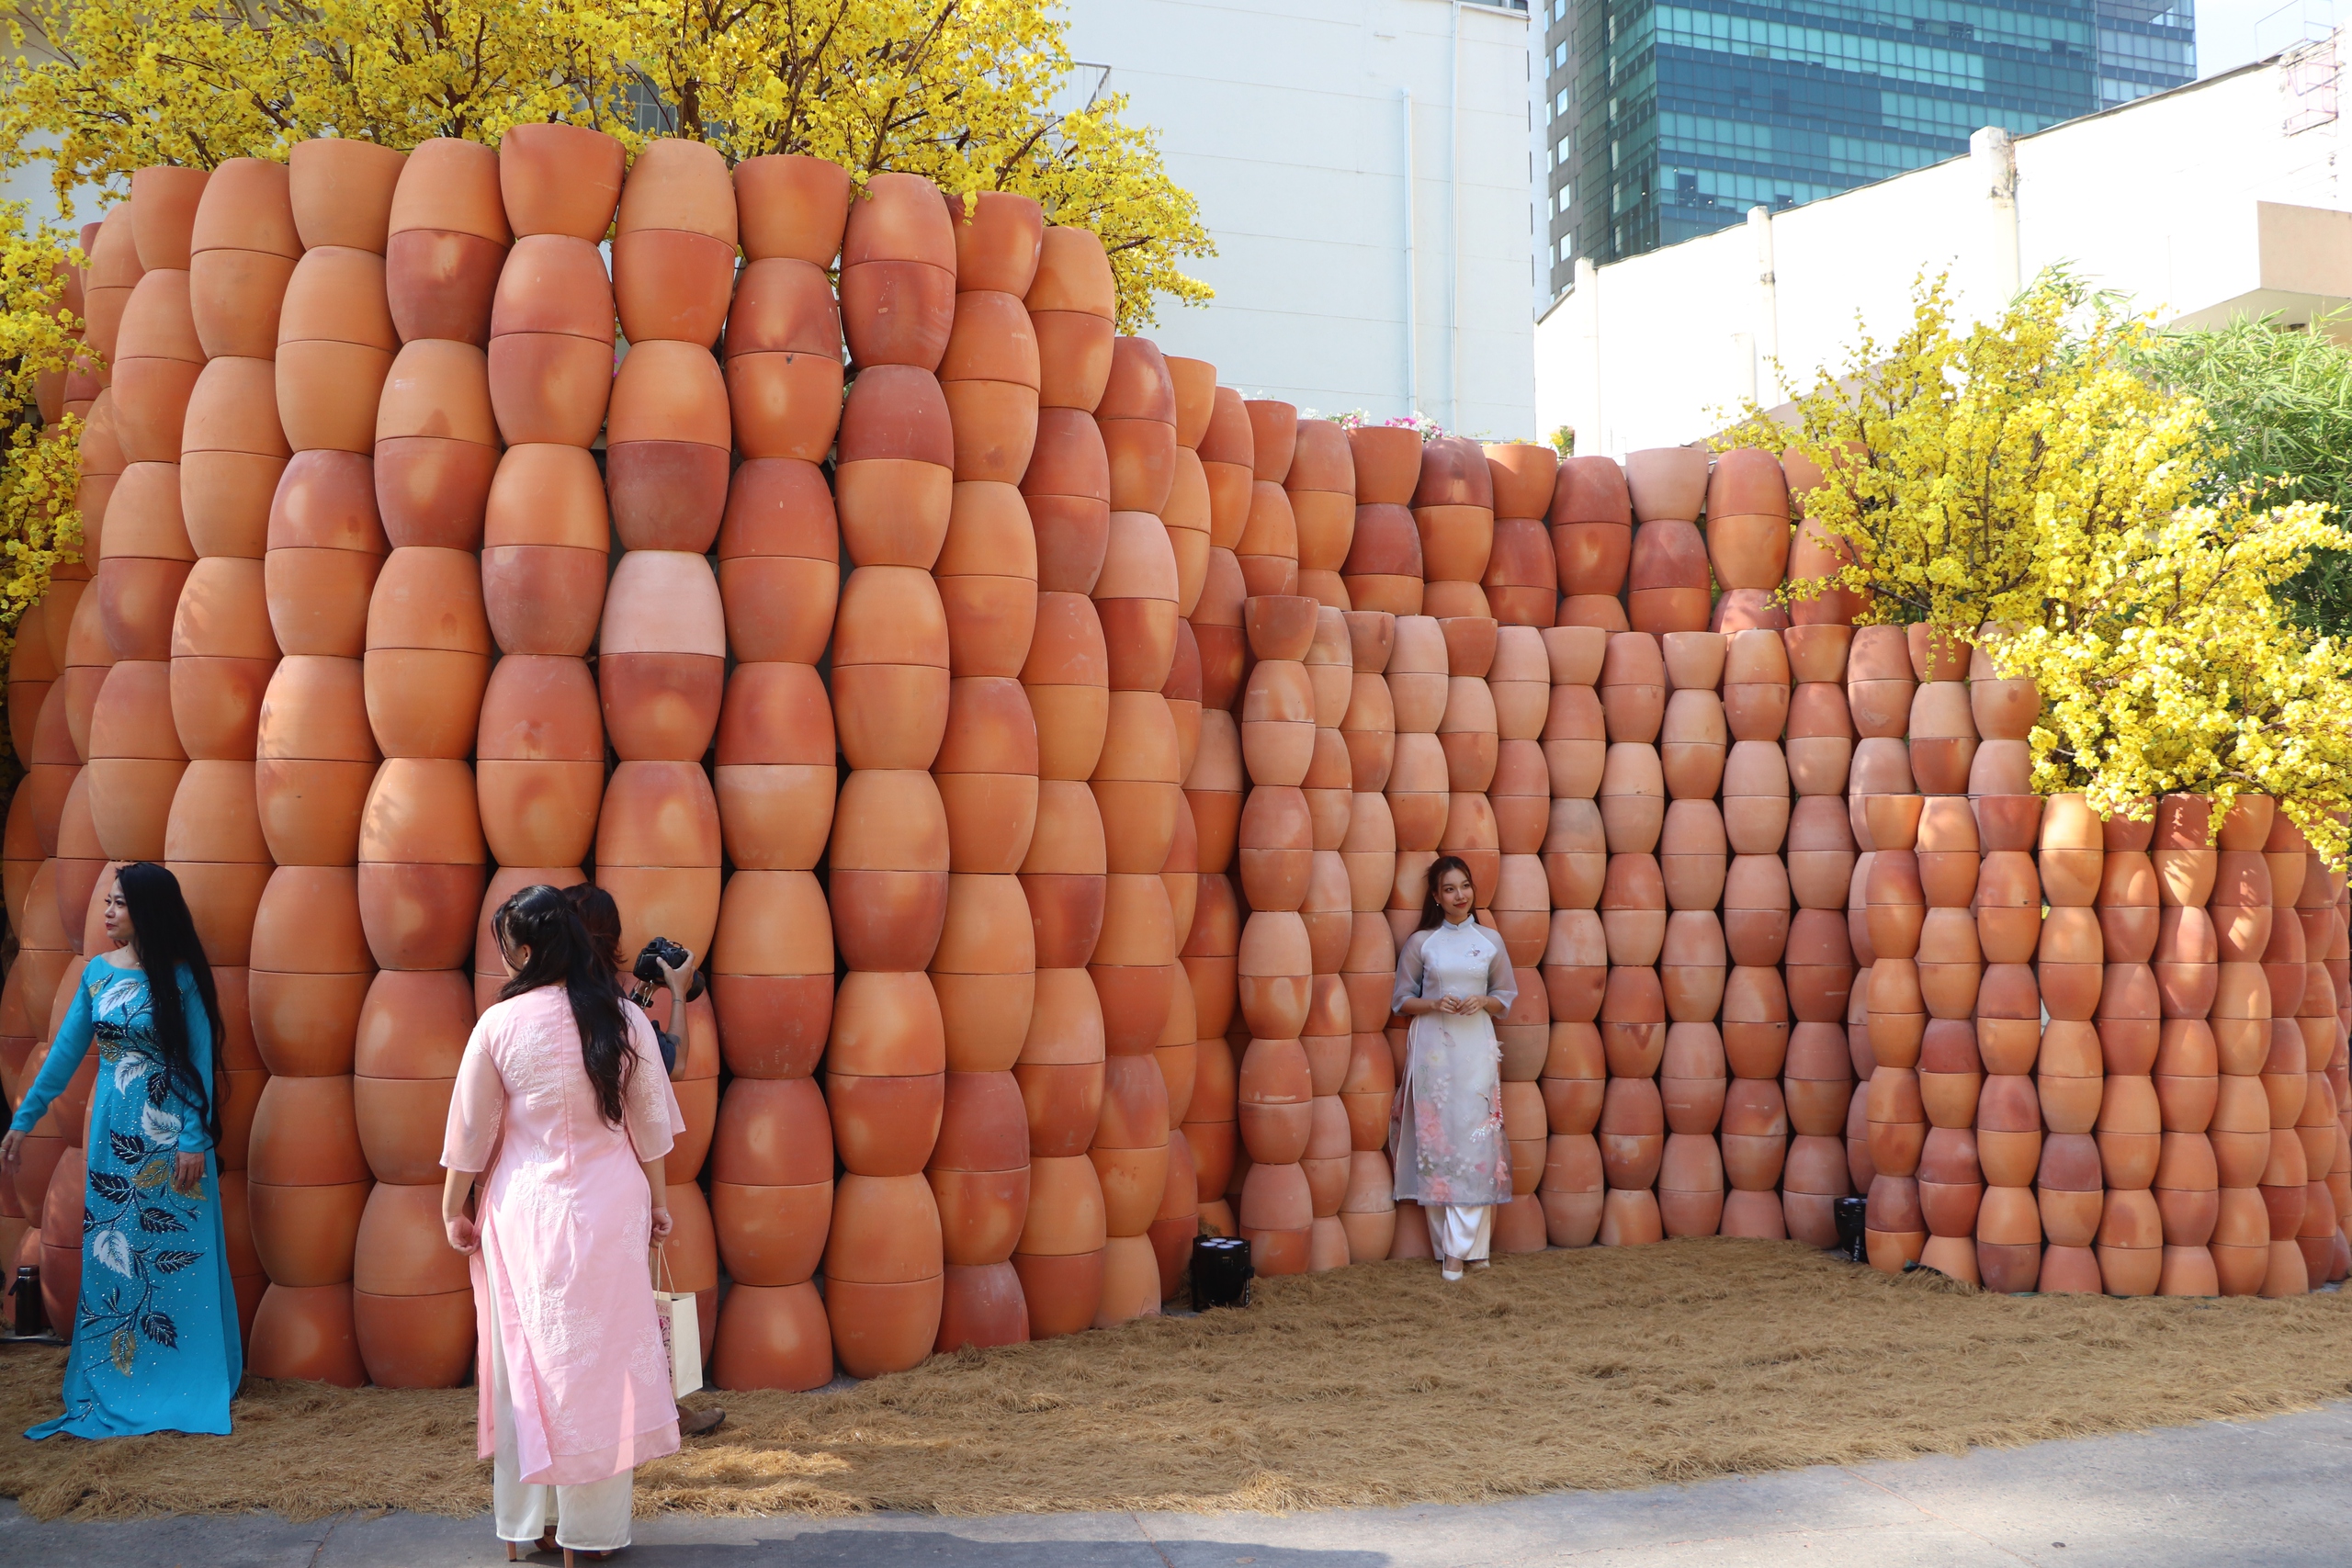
[(1454, 236), (1995, 158), (1412, 283), (1765, 377)]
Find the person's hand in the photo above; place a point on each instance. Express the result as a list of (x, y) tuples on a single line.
[(464, 1235), (188, 1172), (12, 1152), (662, 1224), (677, 977)]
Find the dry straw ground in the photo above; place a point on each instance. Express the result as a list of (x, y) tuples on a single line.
[(1378, 1384)]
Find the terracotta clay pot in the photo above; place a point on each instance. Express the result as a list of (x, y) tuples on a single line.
[(673, 251), (779, 564), (550, 353), (559, 179), (772, 974), (233, 453), (661, 654), (326, 545), (316, 760), (882, 1268), (773, 1338), (335, 345), (307, 1332), (222, 656), (897, 281), (539, 769), (784, 360), (428, 653), (212, 842), (241, 249), (446, 238), (792, 206), (889, 869), (422, 863), (412, 1033), (666, 452), (544, 557)]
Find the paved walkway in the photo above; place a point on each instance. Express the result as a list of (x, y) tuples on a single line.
[(2273, 1493)]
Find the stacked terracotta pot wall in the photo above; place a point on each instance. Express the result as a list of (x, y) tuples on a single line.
[(1591, 521), (772, 957), (427, 665), (1156, 705), (1277, 961), (1747, 510), (2325, 900), (233, 454), (1518, 799), (662, 644), (2185, 1073), (1066, 484), (2130, 1034), (2319, 1125), (885, 1061), (985, 970), (1186, 519), (2070, 1071), (1213, 793), (1137, 781), (317, 771), (1320, 487)]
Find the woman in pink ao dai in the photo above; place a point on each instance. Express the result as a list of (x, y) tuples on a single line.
[(560, 1119)]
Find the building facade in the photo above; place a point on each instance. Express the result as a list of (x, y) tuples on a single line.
[(1362, 166), (2213, 201), (1669, 120)]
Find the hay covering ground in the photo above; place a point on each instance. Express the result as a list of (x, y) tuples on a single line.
[(1374, 1385)]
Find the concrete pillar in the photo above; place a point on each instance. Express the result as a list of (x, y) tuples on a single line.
[(1995, 158)]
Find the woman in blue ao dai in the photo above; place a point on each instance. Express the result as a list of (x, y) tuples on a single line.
[(155, 1345), (1453, 979)]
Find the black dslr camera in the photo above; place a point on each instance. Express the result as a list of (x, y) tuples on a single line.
[(657, 953)]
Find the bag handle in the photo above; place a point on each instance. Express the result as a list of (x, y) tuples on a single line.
[(663, 1279)]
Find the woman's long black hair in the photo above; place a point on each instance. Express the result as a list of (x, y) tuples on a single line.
[(543, 921), (600, 917), (163, 940), (1433, 912)]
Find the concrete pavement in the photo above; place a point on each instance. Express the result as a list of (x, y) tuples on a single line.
[(2275, 1493)]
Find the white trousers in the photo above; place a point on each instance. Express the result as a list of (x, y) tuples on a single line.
[(594, 1517), (1461, 1230)]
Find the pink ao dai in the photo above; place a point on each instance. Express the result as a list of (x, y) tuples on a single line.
[(565, 1219)]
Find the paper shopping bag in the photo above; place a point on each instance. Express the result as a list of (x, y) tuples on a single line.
[(681, 1330)]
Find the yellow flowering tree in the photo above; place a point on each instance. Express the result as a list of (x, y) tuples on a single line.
[(2173, 663), (1961, 467), (2020, 477), (40, 460), (963, 91), (103, 87)]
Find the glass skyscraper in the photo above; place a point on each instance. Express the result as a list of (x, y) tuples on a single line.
[(1666, 121)]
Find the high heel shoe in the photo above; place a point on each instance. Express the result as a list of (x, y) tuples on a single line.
[(545, 1543), (1450, 1269)]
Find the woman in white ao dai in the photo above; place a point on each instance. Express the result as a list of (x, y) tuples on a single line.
[(1453, 979)]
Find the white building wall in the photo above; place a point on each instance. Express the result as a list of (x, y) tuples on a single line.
[(1340, 283), (2155, 201)]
